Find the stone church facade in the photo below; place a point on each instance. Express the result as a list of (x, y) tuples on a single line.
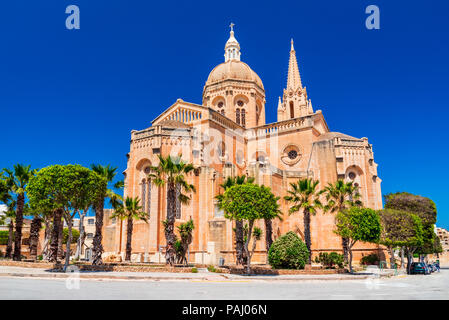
[(226, 136)]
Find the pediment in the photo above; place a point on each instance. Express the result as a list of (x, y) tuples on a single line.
[(184, 112)]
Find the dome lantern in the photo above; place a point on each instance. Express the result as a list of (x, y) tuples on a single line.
[(232, 47)]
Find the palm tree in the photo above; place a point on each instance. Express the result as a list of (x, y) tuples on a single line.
[(11, 215), (172, 172), (130, 210), (17, 181), (340, 196), (185, 232), (108, 173), (304, 195), (239, 230)]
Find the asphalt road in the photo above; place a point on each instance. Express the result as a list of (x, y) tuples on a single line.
[(434, 286)]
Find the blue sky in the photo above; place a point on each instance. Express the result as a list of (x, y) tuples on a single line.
[(73, 96)]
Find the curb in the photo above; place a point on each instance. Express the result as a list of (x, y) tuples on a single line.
[(217, 277)]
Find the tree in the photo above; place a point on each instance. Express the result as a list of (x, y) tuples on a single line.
[(399, 229), (11, 215), (172, 173), (249, 202), (108, 173), (340, 196), (358, 224), (239, 237), (17, 180), (425, 209), (185, 232), (129, 211), (36, 225), (305, 196), (65, 190)]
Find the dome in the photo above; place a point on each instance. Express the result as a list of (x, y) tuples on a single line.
[(233, 70)]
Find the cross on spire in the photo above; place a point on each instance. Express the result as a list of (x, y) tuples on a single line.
[(232, 26)]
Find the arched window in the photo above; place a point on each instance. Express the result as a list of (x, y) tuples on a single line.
[(292, 111), (237, 116), (222, 112), (243, 118)]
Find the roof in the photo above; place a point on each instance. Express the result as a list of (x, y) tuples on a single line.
[(173, 124), (331, 135), (233, 70)]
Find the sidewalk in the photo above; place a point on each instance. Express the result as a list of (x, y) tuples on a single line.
[(202, 275)]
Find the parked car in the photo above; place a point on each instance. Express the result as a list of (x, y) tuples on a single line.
[(419, 268), (431, 267)]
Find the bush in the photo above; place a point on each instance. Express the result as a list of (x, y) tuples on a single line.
[(288, 252), (370, 259), (75, 235), (4, 234), (211, 269), (194, 270), (329, 260), (40, 257)]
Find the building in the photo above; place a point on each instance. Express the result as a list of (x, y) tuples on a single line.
[(443, 234), (227, 135), (89, 229)]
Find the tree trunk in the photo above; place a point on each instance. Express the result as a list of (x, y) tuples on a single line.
[(69, 242), (61, 239), (402, 257), (248, 239), (239, 244), (344, 244), (17, 256), (97, 247), (54, 245), (9, 246), (80, 242), (268, 234), (129, 238), (170, 224), (409, 261), (307, 237), (34, 236), (350, 259), (45, 247), (392, 260)]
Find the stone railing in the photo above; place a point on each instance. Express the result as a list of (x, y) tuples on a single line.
[(278, 127)]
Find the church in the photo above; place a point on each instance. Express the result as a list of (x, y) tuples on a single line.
[(227, 135)]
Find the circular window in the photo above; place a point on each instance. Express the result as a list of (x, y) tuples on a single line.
[(147, 170), (351, 175), (292, 154), (240, 103), (220, 104)]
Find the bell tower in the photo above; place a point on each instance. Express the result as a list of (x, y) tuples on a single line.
[(294, 103)]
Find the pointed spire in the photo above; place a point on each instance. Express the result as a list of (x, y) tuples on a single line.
[(280, 106), (294, 79), (232, 47)]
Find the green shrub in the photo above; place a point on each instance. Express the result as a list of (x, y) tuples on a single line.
[(40, 257), (288, 252), (370, 259), (211, 269), (194, 270), (329, 260), (75, 235), (4, 234)]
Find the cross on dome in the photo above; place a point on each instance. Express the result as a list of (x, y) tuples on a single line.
[(232, 47)]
